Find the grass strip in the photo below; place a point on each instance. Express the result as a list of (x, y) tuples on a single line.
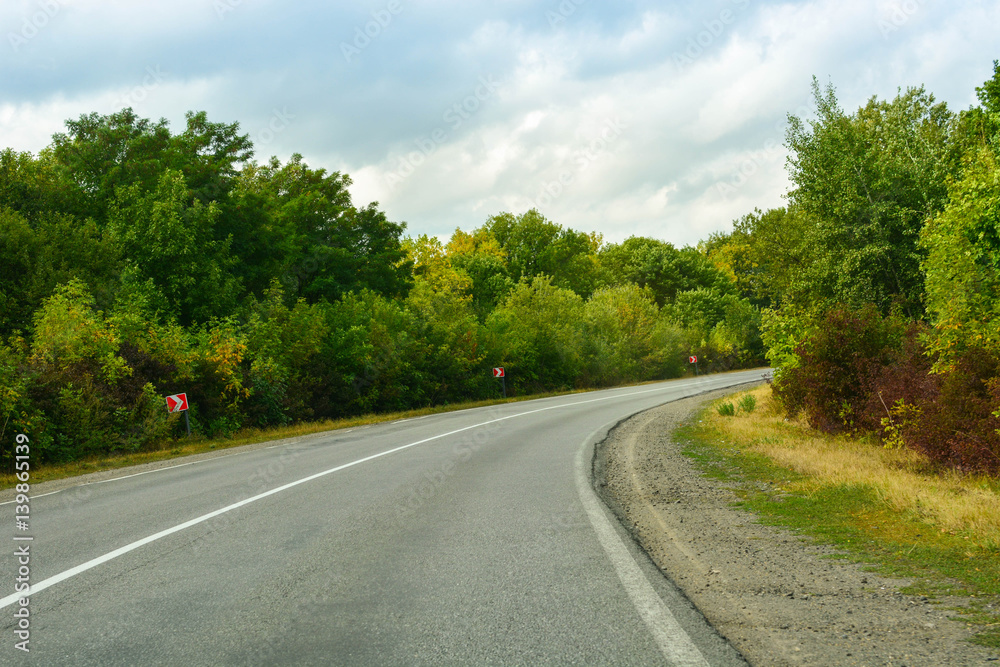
[(890, 509)]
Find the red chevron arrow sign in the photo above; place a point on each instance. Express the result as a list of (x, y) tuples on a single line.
[(177, 403), (692, 360), (498, 372)]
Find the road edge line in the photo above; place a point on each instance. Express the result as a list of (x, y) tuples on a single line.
[(672, 640)]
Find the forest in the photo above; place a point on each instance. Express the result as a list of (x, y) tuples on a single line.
[(136, 262)]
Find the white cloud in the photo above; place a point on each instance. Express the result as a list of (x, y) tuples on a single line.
[(686, 126)]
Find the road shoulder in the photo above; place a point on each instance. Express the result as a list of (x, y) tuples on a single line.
[(778, 599)]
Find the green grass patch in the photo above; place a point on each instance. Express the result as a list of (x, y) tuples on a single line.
[(855, 520)]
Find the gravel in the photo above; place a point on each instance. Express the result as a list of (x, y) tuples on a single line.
[(777, 598)]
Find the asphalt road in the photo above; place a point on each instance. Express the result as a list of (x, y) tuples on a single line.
[(465, 538)]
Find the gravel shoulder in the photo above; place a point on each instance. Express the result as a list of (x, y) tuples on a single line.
[(777, 598)]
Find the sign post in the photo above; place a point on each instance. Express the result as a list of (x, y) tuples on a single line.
[(694, 360), (499, 373), (179, 403)]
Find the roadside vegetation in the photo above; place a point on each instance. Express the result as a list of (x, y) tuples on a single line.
[(879, 283), (893, 508), (136, 263)]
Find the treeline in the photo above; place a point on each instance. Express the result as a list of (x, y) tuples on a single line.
[(879, 282), (137, 263)]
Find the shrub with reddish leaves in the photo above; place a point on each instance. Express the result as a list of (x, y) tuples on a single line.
[(863, 372), (838, 368), (958, 427)]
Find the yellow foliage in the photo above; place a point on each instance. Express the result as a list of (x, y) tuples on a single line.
[(480, 241), (226, 350)]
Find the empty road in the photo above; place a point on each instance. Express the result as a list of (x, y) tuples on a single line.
[(466, 538)]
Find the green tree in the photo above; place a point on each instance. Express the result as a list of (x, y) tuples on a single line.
[(534, 246), (31, 185), (374, 356), (661, 267), (768, 258), (619, 341), (441, 299), (18, 251), (328, 247), (537, 332), (283, 344), (164, 237), (865, 183), (102, 154), (68, 329), (979, 127), (480, 257), (963, 263), (37, 255)]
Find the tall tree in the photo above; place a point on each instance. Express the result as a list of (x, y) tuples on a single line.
[(329, 247), (536, 246), (538, 332), (480, 256), (661, 267), (166, 240), (31, 185), (866, 182), (101, 154), (104, 153)]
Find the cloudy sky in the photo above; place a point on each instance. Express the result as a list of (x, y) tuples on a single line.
[(631, 117)]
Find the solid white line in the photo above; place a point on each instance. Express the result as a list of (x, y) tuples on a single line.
[(115, 479), (674, 642), (40, 495), (83, 567), (146, 472)]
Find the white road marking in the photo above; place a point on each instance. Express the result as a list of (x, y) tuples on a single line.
[(179, 465), (115, 479), (674, 642), (111, 555), (40, 495)]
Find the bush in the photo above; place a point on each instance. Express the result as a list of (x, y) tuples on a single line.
[(861, 372), (838, 367), (748, 403), (726, 409), (959, 426)]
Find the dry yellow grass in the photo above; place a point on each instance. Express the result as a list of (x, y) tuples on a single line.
[(952, 502)]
